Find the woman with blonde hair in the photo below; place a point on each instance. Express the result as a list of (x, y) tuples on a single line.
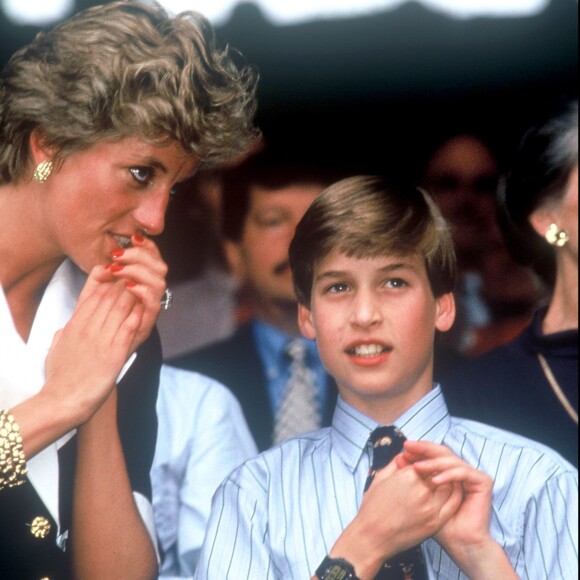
[(101, 119)]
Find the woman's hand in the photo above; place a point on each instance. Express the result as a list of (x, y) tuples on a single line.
[(143, 271), (88, 354)]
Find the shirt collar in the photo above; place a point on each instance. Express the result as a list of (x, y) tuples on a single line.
[(428, 419), (22, 363)]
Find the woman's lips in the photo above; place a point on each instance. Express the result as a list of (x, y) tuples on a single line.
[(123, 241)]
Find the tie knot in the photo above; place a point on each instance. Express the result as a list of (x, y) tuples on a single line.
[(296, 350), (387, 442), (388, 435)]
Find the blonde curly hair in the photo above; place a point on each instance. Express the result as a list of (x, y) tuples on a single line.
[(126, 69)]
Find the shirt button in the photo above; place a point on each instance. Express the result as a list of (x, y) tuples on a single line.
[(40, 527)]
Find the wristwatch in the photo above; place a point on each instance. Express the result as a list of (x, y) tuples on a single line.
[(335, 569)]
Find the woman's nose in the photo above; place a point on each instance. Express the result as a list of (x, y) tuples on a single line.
[(150, 214)]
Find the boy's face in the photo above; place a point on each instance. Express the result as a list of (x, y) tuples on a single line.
[(260, 258), (374, 321)]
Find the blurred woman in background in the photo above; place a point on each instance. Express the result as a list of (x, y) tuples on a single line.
[(530, 386)]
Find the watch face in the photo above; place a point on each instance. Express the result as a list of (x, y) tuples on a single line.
[(335, 569), (336, 572)]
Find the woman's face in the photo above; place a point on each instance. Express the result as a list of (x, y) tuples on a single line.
[(98, 198)]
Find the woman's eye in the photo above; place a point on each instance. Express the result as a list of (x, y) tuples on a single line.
[(141, 174)]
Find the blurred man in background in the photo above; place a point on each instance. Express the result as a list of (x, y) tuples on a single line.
[(273, 371)]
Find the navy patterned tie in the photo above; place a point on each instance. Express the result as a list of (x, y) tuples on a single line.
[(408, 565)]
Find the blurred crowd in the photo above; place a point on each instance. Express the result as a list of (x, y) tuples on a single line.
[(496, 296)]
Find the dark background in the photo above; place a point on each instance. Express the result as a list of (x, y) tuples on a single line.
[(374, 93)]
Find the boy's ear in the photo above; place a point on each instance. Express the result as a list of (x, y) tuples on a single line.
[(233, 254), (305, 322), (445, 315)]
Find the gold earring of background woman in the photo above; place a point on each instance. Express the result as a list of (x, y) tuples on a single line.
[(42, 171), (557, 237)]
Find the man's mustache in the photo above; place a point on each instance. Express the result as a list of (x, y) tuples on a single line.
[(281, 268)]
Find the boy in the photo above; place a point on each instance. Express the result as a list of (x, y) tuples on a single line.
[(374, 268)]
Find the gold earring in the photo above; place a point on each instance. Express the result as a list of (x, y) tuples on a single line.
[(42, 171), (557, 237)]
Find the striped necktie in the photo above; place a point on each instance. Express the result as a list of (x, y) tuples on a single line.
[(387, 442), (298, 412)]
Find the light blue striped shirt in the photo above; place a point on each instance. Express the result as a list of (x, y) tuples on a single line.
[(202, 437), (280, 513)]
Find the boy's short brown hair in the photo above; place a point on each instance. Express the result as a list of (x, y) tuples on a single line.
[(367, 217)]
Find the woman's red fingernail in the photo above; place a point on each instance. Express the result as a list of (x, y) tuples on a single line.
[(137, 238), (116, 267), (130, 284), (118, 253)]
